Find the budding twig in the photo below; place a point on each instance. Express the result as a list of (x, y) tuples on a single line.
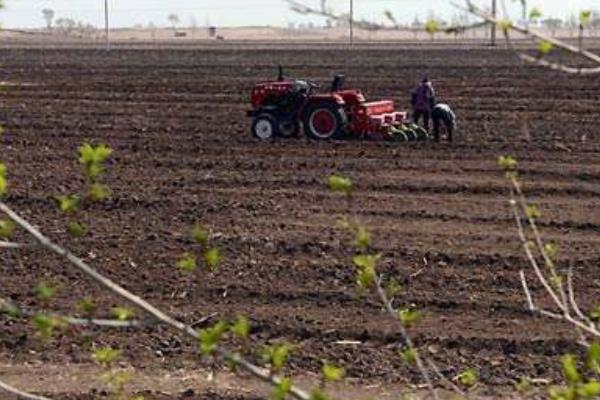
[(508, 25), (394, 315), (161, 316)]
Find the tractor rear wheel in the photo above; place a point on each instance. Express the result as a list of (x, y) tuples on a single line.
[(264, 127), (323, 121)]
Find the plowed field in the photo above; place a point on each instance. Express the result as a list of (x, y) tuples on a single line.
[(183, 153)]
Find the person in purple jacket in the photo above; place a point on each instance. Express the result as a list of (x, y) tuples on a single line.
[(422, 100)]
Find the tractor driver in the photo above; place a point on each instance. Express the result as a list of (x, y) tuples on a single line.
[(422, 100)]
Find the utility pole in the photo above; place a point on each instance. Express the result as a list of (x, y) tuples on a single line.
[(494, 14), (351, 21), (106, 28)]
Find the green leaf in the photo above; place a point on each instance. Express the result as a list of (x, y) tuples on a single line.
[(46, 325), (200, 235), (276, 355), (393, 288), (532, 211), (209, 338), (595, 314), (212, 258), (331, 373), (187, 263), (68, 204), (589, 389), (115, 380), (551, 250), (282, 389), (92, 159), (363, 238), (89, 154), (535, 13), (7, 229), (569, 365), (93, 171), (366, 260), (593, 357), (99, 192), (86, 305), (105, 356), (241, 327), (523, 386), (468, 377), (280, 356), (432, 26), (505, 25), (585, 16), (366, 265), (3, 183), (76, 229), (545, 47), (507, 163), (409, 316), (318, 394), (339, 184), (122, 313), (409, 355), (44, 292)]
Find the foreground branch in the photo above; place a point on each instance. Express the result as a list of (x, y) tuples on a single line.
[(20, 394), (533, 34), (236, 359), (302, 8), (394, 315), (553, 285)]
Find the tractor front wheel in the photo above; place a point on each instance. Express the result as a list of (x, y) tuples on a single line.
[(264, 127), (323, 121)]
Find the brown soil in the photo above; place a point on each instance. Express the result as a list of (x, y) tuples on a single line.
[(183, 153)]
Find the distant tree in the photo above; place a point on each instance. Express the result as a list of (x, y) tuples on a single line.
[(174, 20), (66, 25), (48, 15)]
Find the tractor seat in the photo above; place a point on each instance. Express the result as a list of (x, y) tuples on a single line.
[(301, 86)]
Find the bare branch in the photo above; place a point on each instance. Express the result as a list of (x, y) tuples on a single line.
[(581, 325), (508, 25), (574, 304), (392, 313), (530, 304), (558, 67), (540, 244), (464, 28), (19, 393), (451, 385), (238, 360), (11, 245), (302, 8), (530, 257)]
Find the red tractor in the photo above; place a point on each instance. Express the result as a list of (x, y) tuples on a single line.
[(285, 107)]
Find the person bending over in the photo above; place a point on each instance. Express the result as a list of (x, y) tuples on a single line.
[(441, 113)]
